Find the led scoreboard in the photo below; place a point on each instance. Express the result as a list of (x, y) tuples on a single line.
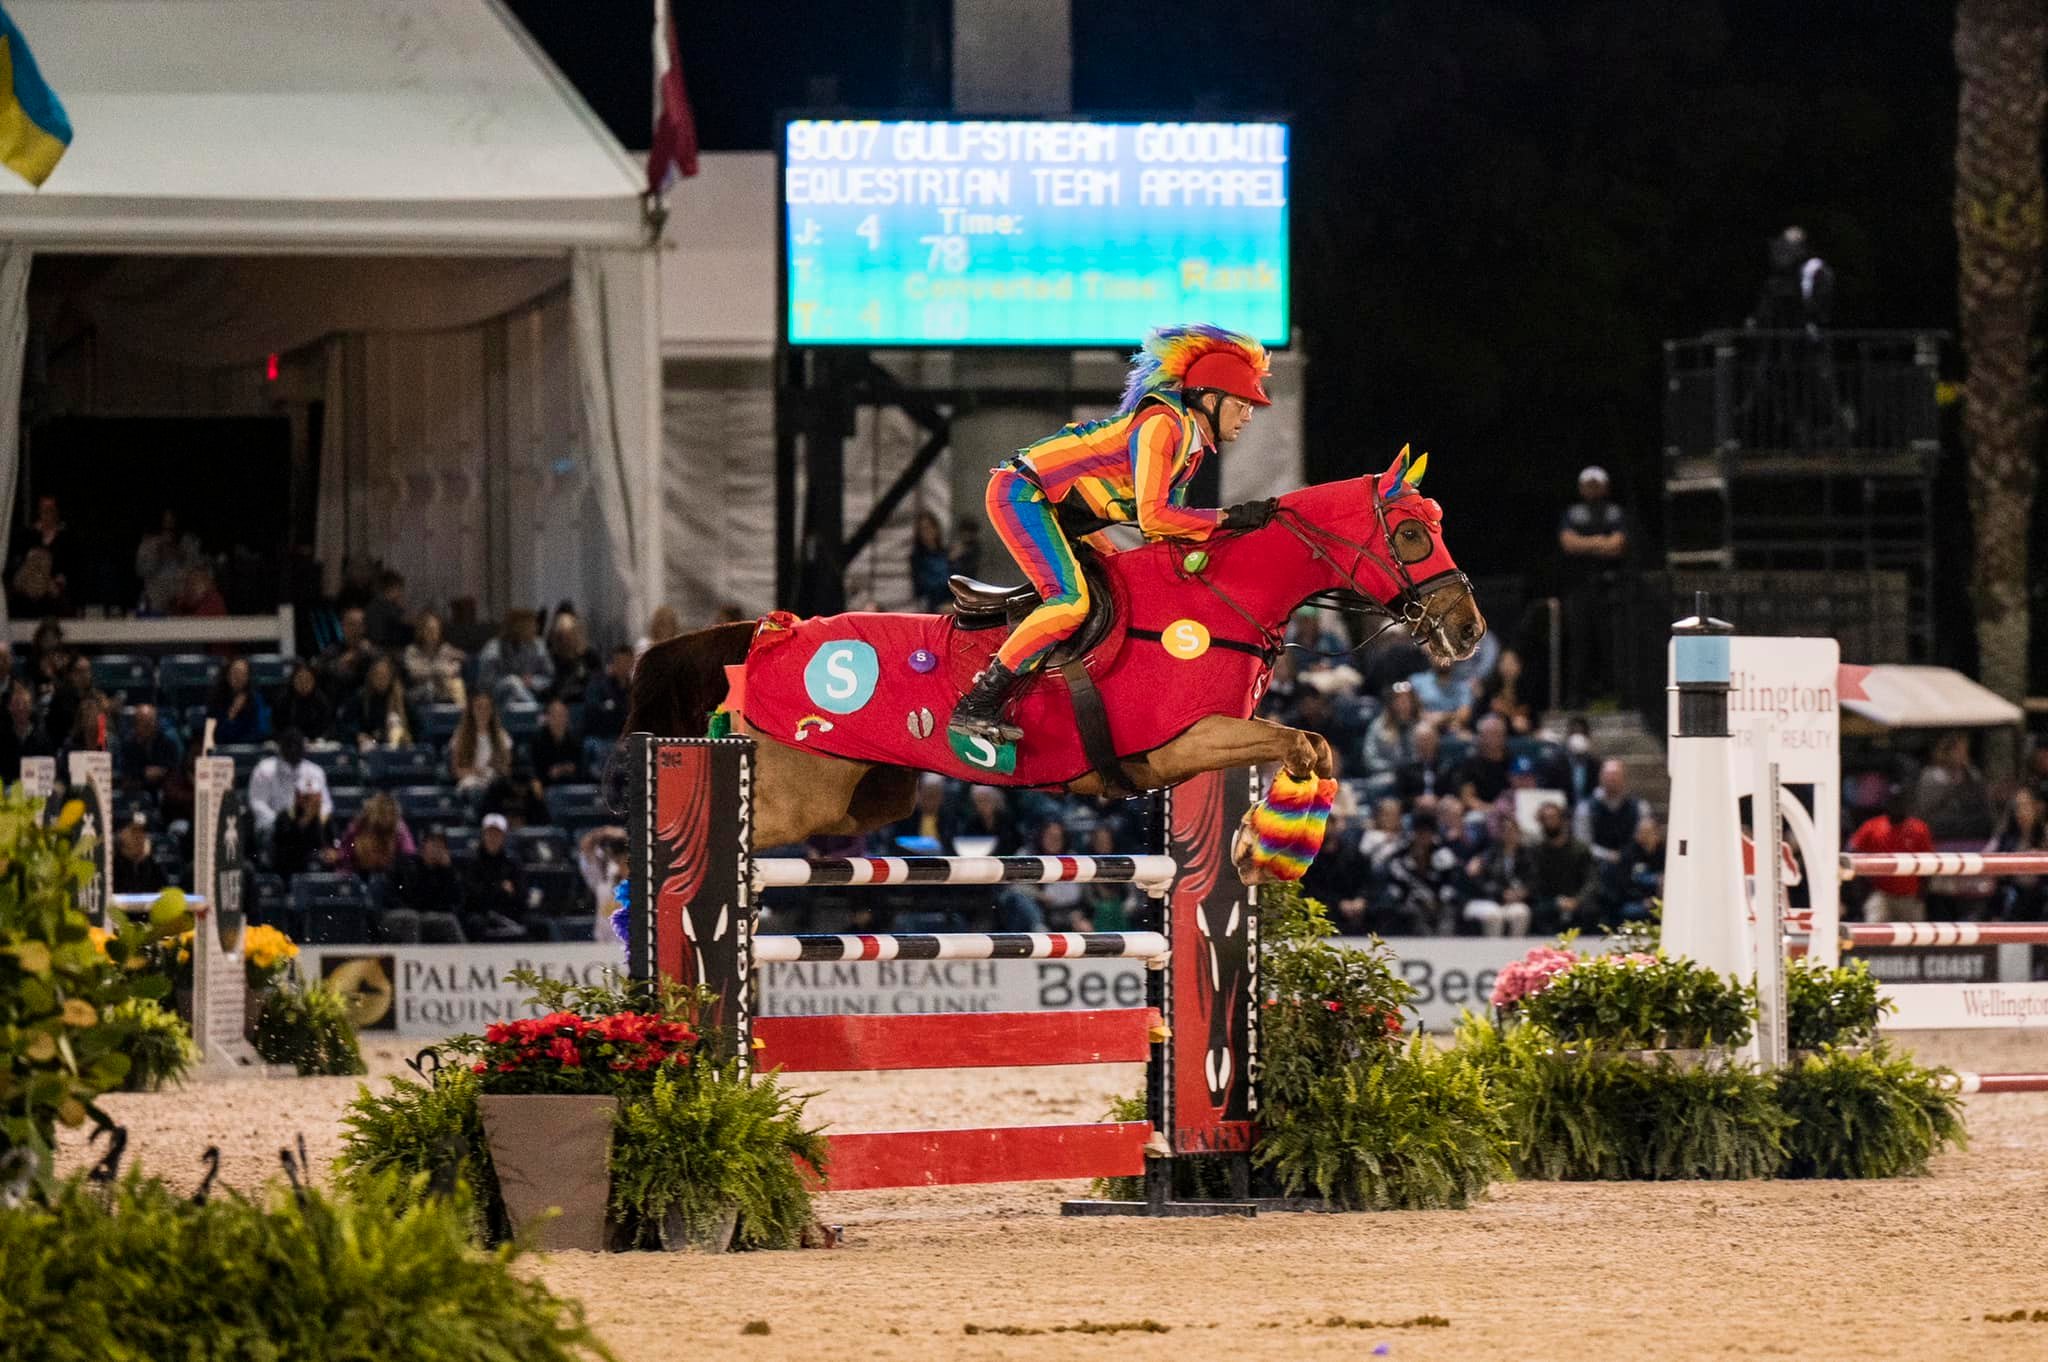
[(969, 232)]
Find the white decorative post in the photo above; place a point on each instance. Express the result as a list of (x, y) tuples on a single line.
[(94, 773), (218, 982), (1704, 901)]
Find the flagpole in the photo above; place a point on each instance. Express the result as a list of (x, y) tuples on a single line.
[(652, 208)]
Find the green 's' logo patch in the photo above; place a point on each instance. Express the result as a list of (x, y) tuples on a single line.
[(982, 754)]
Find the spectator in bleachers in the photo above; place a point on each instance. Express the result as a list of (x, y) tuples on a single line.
[(377, 840), (601, 857), (136, 870), (463, 628), (147, 755), (1563, 889), (923, 831), (35, 588), (200, 595), (1482, 777), (239, 712), (1418, 890), (1107, 906), (1385, 831), (1894, 898), (663, 625), (20, 734), (1581, 770), (1952, 797), (1052, 906), (1390, 741), (2021, 898), (605, 699), (425, 900), (986, 817), (1637, 878), (1497, 881), (556, 751), (68, 690), (303, 839), (481, 750), (48, 642), (377, 715), (88, 729), (1501, 693), (278, 779), (343, 664), (433, 666), (384, 618), (930, 564), (1340, 876), (1422, 773), (1445, 698), (517, 796), (570, 655), (49, 533), (161, 561), (303, 705), (1606, 823), (1319, 713), (493, 887), (7, 676), (514, 667)]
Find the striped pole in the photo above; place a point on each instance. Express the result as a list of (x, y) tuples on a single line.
[(1967, 1083), (1864, 864), (782, 950), (1153, 873), (1945, 933)]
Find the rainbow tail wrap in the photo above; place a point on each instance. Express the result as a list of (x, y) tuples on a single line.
[(1288, 824)]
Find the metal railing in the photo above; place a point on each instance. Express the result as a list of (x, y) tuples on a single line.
[(1729, 394)]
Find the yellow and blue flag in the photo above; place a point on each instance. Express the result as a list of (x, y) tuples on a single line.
[(34, 129)]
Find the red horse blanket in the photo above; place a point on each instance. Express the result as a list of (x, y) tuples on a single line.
[(879, 688)]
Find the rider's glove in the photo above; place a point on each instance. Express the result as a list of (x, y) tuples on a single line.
[(1250, 515)]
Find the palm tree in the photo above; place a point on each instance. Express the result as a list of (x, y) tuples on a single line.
[(2001, 47)]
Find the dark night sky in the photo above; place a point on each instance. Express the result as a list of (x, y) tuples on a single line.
[(1501, 208)]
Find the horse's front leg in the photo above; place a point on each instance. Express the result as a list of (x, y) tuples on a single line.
[(1218, 743)]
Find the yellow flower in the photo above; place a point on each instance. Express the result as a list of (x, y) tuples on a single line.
[(80, 1013), (267, 947), (99, 937), (68, 816)]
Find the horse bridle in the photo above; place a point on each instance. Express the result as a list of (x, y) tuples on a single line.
[(1410, 606)]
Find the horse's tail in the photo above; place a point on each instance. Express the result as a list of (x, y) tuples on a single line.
[(678, 683)]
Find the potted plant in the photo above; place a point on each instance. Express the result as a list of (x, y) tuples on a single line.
[(267, 956)]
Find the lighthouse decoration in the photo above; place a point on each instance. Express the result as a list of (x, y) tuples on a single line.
[(1705, 917)]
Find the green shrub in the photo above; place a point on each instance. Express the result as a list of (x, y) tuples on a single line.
[(161, 1050), (705, 1138), (1871, 1115), (63, 1041), (309, 1028), (1831, 1006), (429, 1130), (1642, 1002), (146, 1274)]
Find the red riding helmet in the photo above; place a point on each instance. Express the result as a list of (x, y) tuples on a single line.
[(1227, 371)]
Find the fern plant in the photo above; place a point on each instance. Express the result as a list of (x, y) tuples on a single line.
[(1870, 1115), (309, 1028), (427, 1135), (160, 1051), (1825, 1005)]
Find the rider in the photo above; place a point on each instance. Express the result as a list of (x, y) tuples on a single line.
[(1190, 389)]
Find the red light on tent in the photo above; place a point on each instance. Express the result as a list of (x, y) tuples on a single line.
[(270, 368)]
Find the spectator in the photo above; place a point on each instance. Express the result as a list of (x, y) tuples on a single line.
[(1385, 832), (304, 706), (135, 865), (377, 840), (7, 677), (1315, 711), (1581, 771), (606, 699), (384, 617), (1445, 699), (514, 667), (343, 664), (1951, 796), (570, 654), (663, 625), (494, 887), (1594, 535), (966, 547), (1106, 906), (88, 729), (923, 831), (1562, 889), (302, 839), (35, 588), (601, 857), (1389, 742), (1606, 823), (238, 710), (20, 734), (1422, 774), (200, 595), (1500, 693), (1420, 890), (1497, 878), (1340, 877), (278, 779), (986, 818), (67, 693), (49, 533), (930, 564), (517, 796), (162, 561), (1049, 906), (433, 666), (556, 752), (1482, 777), (426, 899), (1894, 898), (377, 715), (147, 756), (464, 629), (481, 751), (2021, 898), (1636, 880)]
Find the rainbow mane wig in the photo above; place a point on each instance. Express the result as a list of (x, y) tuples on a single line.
[(1157, 367), (1288, 824)]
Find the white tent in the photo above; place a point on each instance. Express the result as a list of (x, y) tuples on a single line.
[(408, 198)]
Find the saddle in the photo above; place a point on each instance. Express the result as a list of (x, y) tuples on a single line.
[(983, 606)]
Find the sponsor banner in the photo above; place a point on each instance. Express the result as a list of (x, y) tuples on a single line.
[(447, 990), (1944, 1007), (1932, 965), (897, 987)]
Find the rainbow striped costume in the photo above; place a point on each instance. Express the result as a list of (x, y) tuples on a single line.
[(1131, 468)]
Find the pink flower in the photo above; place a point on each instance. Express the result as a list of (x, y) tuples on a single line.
[(1531, 974)]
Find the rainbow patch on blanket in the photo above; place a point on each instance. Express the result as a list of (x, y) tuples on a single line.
[(1288, 824)]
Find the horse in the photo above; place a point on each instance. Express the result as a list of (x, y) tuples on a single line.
[(848, 710)]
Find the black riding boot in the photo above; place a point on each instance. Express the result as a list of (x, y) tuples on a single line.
[(980, 712)]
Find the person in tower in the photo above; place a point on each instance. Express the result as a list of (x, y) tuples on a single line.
[(1191, 389)]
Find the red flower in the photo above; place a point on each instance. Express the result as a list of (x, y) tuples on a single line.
[(507, 1068), (1333, 1005), (497, 1033), (479, 1067)]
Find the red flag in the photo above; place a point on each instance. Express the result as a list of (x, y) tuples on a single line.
[(674, 150)]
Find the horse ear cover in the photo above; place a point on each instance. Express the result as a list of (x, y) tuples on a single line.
[(1288, 824)]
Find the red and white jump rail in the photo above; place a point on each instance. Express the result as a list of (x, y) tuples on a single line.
[(1857, 865), (1967, 1083), (780, 950), (1150, 873)]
